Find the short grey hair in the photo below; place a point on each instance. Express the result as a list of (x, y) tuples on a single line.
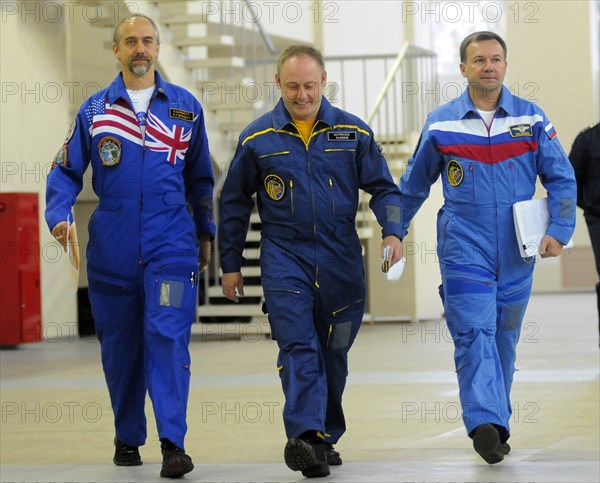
[(117, 31), (297, 50)]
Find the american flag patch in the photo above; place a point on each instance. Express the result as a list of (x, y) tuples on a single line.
[(120, 120), (115, 119)]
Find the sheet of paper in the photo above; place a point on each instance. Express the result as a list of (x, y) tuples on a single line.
[(532, 219), (395, 271), (73, 253)]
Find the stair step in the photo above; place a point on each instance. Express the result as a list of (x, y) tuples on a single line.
[(184, 18), (215, 63), (106, 19), (233, 127), (229, 105), (206, 41), (218, 85), (365, 232), (253, 236), (249, 290), (250, 271), (253, 254)]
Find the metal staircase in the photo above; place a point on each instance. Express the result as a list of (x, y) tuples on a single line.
[(232, 65)]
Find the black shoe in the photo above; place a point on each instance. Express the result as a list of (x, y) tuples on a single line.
[(126, 455), (175, 462), (486, 442), (505, 448), (306, 456), (333, 457)]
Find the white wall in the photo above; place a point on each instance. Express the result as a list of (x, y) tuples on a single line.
[(550, 62), (362, 27), (34, 118)]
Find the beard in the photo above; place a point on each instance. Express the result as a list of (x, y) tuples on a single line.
[(139, 69)]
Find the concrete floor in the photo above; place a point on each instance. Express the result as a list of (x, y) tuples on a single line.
[(401, 405)]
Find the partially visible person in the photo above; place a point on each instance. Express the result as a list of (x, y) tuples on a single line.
[(489, 147), (585, 158), (146, 142), (306, 161)]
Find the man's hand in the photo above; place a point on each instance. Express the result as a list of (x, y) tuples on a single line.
[(395, 249), (233, 285), (59, 232), (206, 249), (550, 247)]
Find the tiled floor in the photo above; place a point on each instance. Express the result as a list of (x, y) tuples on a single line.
[(401, 404)]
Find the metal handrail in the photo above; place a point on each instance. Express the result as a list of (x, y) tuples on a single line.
[(396, 111), (261, 29), (388, 81)]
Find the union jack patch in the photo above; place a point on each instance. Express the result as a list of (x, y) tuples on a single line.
[(174, 142)]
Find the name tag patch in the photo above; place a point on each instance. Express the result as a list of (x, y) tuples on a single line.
[(341, 136), (520, 130), (181, 114)]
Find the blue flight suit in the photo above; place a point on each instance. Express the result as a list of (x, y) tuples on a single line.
[(485, 283), (311, 257), (142, 256)]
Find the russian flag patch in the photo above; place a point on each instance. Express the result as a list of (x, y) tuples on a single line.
[(550, 131)]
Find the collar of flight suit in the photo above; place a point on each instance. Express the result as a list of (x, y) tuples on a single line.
[(282, 121), (118, 90), (466, 108)]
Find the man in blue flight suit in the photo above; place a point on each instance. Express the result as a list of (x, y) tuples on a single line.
[(146, 141), (489, 147), (306, 161)]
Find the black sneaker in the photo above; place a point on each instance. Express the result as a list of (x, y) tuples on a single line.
[(126, 455), (175, 462), (486, 442), (306, 456), (505, 448), (333, 457)]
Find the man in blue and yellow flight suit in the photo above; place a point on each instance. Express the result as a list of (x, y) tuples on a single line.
[(489, 147), (146, 141), (306, 161)]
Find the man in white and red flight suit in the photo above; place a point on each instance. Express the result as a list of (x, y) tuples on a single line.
[(489, 148)]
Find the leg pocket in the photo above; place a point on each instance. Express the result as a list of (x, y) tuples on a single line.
[(344, 324), (171, 293), (174, 288)]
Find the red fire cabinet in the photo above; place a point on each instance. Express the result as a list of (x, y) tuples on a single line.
[(20, 301)]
